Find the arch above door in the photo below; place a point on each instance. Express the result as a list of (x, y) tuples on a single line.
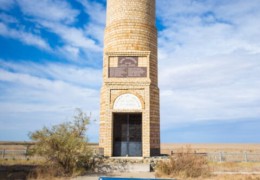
[(127, 102)]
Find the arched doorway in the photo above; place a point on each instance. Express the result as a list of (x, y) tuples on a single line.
[(127, 127)]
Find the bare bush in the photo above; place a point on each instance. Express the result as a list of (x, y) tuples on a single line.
[(184, 163)]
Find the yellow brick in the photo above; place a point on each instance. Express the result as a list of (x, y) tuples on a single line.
[(130, 31)]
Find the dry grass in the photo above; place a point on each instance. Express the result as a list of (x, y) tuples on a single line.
[(183, 164), (235, 166), (226, 177), (30, 161), (23, 170), (45, 173), (185, 160), (166, 148), (32, 169), (28, 169), (232, 177)]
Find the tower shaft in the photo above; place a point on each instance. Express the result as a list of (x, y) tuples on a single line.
[(130, 83)]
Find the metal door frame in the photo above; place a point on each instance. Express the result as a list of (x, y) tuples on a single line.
[(128, 133)]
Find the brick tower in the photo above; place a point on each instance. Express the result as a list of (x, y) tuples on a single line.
[(130, 115)]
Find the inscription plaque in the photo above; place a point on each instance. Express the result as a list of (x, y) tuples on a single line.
[(137, 72), (127, 67), (118, 72)]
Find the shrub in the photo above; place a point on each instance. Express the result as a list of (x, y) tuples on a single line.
[(64, 146), (184, 163)]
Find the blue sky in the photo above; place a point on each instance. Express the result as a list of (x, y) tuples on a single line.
[(209, 67)]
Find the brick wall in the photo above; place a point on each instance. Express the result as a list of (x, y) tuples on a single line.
[(130, 31)]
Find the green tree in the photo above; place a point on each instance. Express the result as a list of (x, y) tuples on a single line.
[(65, 146)]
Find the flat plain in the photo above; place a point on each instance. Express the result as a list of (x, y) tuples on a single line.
[(167, 148), (251, 169)]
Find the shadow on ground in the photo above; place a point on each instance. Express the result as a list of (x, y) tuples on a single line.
[(15, 172)]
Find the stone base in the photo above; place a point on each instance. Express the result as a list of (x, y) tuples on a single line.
[(131, 164)]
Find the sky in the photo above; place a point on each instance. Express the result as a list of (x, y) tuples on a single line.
[(209, 67)]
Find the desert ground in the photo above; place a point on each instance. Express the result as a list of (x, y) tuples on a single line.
[(166, 148), (223, 170)]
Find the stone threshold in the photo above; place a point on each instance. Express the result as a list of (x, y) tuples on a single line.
[(127, 158)]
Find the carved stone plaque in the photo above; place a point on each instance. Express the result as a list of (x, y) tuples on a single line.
[(127, 61), (137, 72), (127, 67), (118, 72), (126, 102)]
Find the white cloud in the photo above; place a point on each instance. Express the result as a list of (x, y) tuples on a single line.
[(35, 95), (96, 12), (185, 26), (25, 37), (57, 16), (96, 32), (209, 64), (82, 44), (72, 36), (50, 10), (71, 74), (70, 51), (43, 90)]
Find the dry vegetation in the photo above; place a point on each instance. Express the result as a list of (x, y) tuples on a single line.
[(191, 166), (167, 148), (63, 149), (184, 164), (11, 162), (227, 177), (235, 166)]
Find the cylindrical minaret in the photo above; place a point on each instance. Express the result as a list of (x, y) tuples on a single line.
[(130, 26), (130, 84)]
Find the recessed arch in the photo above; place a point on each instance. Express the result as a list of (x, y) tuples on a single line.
[(127, 101)]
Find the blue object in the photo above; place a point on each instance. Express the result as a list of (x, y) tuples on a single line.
[(114, 178)]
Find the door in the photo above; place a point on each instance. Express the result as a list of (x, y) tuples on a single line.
[(127, 134)]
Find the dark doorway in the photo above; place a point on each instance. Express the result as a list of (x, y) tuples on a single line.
[(127, 131)]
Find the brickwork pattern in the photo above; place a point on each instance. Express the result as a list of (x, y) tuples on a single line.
[(130, 31)]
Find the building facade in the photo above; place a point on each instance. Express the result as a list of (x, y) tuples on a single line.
[(130, 115)]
